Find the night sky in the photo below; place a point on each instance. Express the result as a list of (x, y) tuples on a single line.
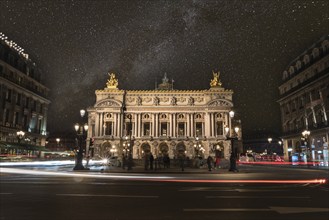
[(75, 44)]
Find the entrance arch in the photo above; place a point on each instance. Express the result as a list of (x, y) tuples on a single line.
[(218, 148), (180, 149), (145, 149), (106, 147), (164, 149)]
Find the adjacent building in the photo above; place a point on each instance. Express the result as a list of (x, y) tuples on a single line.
[(304, 105), (23, 101), (163, 121)]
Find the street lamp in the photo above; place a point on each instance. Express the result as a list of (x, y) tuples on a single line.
[(81, 130), (113, 150), (198, 149), (126, 146), (58, 140), (269, 140), (306, 134), (232, 138), (20, 135)]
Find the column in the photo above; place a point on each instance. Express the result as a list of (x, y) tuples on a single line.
[(136, 124), (211, 119), (102, 124), (156, 124), (192, 125), (188, 125), (324, 114), (174, 125), (97, 125), (314, 117), (170, 125)]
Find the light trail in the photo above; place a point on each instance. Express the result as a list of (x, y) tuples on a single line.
[(158, 178), (49, 163), (282, 163)]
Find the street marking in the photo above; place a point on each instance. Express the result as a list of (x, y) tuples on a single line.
[(290, 210), (212, 189), (256, 197), (6, 193), (113, 196), (280, 210), (227, 210)]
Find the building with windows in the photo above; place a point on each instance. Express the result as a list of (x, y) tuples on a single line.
[(163, 121), (23, 99), (304, 104)]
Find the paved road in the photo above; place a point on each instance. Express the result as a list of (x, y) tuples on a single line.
[(95, 195)]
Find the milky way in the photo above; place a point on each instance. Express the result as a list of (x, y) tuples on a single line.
[(75, 44)]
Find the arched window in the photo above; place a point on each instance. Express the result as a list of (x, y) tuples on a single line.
[(298, 65), (198, 116), (146, 116), (291, 70), (285, 75), (306, 60), (315, 53), (325, 46)]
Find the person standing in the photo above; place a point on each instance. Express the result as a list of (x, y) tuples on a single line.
[(217, 163), (151, 161), (209, 162), (181, 159)]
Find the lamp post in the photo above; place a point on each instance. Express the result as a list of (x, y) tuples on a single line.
[(232, 138), (20, 135), (130, 145), (58, 140), (306, 134), (113, 150), (81, 130), (197, 147), (126, 147)]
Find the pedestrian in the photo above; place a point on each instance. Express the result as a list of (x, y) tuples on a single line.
[(124, 161), (181, 158), (233, 163), (210, 161), (146, 162), (151, 161), (217, 162)]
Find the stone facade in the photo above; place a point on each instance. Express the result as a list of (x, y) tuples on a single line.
[(304, 105), (24, 98), (163, 121)]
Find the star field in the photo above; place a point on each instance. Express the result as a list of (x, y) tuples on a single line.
[(75, 43)]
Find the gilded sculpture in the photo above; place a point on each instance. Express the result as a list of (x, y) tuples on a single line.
[(112, 83), (215, 82)]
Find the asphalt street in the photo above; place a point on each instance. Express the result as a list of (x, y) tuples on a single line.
[(51, 193)]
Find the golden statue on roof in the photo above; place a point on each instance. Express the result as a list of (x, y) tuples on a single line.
[(112, 83), (215, 82)]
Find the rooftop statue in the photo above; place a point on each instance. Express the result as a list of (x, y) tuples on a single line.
[(215, 82), (112, 83)]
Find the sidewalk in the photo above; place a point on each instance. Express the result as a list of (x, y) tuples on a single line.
[(140, 169)]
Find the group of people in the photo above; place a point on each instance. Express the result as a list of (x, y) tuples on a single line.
[(156, 163), (211, 162)]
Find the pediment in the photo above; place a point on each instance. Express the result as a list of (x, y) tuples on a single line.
[(108, 103), (220, 102)]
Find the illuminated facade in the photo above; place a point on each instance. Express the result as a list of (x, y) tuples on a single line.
[(304, 105), (163, 121), (24, 102)]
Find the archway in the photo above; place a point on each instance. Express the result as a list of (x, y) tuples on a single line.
[(106, 147), (218, 149), (145, 149), (163, 149), (180, 149)]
